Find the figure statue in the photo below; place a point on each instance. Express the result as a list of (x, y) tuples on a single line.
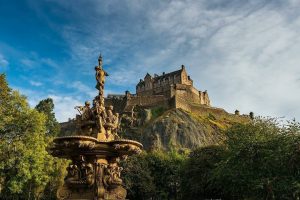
[(73, 173), (100, 76), (112, 123), (99, 112), (110, 114), (98, 120), (117, 124), (85, 111), (112, 175)]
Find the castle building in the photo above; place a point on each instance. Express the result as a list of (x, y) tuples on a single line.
[(171, 90), (177, 83)]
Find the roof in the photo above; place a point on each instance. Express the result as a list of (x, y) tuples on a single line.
[(177, 72), (155, 78)]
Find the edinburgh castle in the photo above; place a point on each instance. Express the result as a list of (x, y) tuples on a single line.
[(169, 90)]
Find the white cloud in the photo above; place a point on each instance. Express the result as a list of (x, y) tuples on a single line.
[(35, 83), (63, 104), (3, 61), (64, 107), (34, 60), (28, 62), (84, 89)]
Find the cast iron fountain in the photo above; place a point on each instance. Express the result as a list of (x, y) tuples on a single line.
[(95, 151)]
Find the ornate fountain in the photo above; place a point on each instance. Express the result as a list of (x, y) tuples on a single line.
[(95, 151)]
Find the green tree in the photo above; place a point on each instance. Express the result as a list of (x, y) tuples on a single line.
[(46, 106), (25, 165), (137, 178), (262, 162), (196, 178), (154, 175), (259, 160)]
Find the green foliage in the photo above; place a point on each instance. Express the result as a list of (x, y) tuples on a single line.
[(138, 179), (196, 181), (25, 165), (259, 160), (154, 175), (156, 112), (46, 106)]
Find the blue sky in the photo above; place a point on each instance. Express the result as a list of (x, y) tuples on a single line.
[(244, 52)]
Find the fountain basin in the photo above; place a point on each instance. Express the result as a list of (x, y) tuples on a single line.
[(94, 172)]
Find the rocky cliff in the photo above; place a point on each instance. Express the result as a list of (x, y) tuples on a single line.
[(178, 129)]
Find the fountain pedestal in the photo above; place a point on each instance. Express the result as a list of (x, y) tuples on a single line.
[(94, 173)]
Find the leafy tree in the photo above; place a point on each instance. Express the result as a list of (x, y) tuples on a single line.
[(137, 178), (46, 106), (263, 161), (259, 160), (25, 165), (154, 175), (196, 178), (165, 168)]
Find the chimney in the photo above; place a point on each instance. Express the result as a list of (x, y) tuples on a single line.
[(182, 67), (164, 73)]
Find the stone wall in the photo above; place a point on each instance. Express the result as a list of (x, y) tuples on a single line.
[(182, 103), (118, 104), (179, 102), (204, 99), (191, 94), (148, 101)]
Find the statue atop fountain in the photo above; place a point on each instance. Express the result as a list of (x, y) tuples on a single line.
[(95, 152)]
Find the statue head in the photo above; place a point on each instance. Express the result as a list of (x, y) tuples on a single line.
[(110, 108), (87, 103)]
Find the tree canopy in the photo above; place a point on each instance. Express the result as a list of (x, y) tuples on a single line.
[(46, 106), (26, 168)]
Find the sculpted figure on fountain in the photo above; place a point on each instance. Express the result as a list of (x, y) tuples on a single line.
[(98, 121)]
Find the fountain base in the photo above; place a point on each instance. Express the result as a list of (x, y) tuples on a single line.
[(94, 173)]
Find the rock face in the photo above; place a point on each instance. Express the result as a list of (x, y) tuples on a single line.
[(178, 129)]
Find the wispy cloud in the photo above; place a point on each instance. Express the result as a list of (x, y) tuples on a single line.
[(28, 62), (63, 104), (3, 61), (64, 107), (35, 60), (82, 88), (35, 83)]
